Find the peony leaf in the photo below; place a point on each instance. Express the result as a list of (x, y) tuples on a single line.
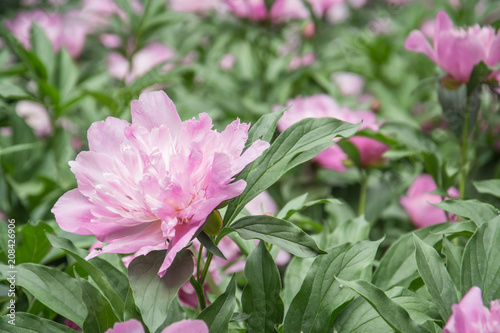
[(261, 296), (153, 294), (218, 314), (100, 315), (297, 144), (321, 297), (435, 276), (278, 232), (27, 322)]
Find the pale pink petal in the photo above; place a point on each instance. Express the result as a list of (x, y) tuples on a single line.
[(107, 136), (332, 158), (183, 235), (118, 65), (417, 42), (154, 109), (187, 326), (129, 326), (370, 151), (254, 151), (262, 204)]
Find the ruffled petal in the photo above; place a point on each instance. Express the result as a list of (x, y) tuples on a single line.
[(417, 42), (154, 109), (187, 325)]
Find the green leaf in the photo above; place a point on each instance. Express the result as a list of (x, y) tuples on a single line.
[(475, 210), (28, 323), (295, 273), (53, 288), (10, 90), (67, 75), (453, 255), (265, 127), (479, 73), (32, 244), (436, 277), (394, 314), (112, 282), (207, 242), (261, 296), (299, 203), (153, 294), (130, 307), (219, 313), (320, 297), (398, 266), (480, 261), (100, 314), (298, 144), (490, 186), (360, 317), (278, 232), (42, 47)]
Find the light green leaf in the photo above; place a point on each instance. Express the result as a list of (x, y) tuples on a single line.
[(112, 282), (475, 210), (153, 294), (320, 297), (436, 277), (490, 186), (394, 314), (28, 323), (218, 314), (278, 232), (100, 314), (298, 144), (480, 261), (53, 288), (360, 317), (261, 296)]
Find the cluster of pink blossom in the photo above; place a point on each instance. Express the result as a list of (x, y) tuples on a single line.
[(470, 315), (150, 185), (457, 51), (186, 325), (370, 150), (419, 201)]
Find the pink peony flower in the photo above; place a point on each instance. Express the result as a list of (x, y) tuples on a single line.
[(186, 325), (36, 116), (318, 106), (302, 61), (227, 61), (194, 6), (262, 204), (419, 199), (457, 51), (151, 184), (143, 61), (256, 10), (470, 315), (349, 84), (63, 30)]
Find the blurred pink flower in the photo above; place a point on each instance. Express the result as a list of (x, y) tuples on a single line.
[(227, 61), (318, 106), (302, 61), (338, 13), (470, 315), (427, 28), (419, 199), (151, 184), (36, 116), (262, 204), (186, 325), (256, 10), (110, 41), (457, 51), (143, 61), (63, 30), (194, 6), (349, 84), (72, 325), (309, 29)]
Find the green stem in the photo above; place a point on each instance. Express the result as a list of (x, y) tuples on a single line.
[(464, 148), (199, 292), (198, 262), (201, 281), (362, 194)]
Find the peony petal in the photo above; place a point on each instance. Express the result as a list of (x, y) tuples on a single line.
[(417, 42), (184, 233), (154, 109), (129, 326), (494, 52), (107, 136), (73, 213), (188, 326), (254, 151)]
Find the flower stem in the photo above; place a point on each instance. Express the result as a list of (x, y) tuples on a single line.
[(199, 292), (201, 281), (363, 190), (464, 148)]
